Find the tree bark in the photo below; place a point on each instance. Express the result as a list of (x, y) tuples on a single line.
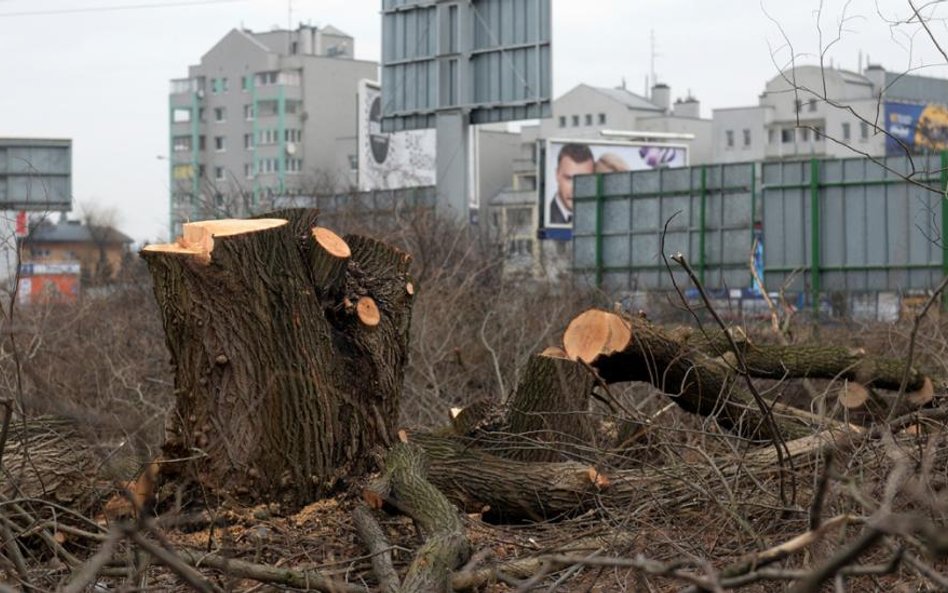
[(510, 490), (695, 381), (817, 361), (280, 389), (446, 546), (701, 372), (547, 418)]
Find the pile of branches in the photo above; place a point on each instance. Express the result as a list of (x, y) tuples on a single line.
[(632, 454)]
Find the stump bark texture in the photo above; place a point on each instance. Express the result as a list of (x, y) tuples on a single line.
[(281, 388)]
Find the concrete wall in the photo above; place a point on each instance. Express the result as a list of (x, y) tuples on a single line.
[(329, 90)]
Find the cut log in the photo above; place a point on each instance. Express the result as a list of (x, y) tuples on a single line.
[(699, 369), (474, 479), (853, 395), (922, 395), (815, 361), (595, 332), (279, 395), (696, 382)]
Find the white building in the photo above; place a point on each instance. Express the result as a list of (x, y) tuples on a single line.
[(809, 111)]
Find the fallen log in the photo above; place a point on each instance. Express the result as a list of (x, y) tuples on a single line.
[(700, 371), (507, 489), (697, 382), (814, 361)]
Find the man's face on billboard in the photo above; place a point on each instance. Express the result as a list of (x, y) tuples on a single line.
[(565, 171)]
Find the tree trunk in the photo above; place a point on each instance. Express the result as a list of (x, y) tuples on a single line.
[(697, 382), (547, 418), (818, 361), (281, 388), (701, 371)]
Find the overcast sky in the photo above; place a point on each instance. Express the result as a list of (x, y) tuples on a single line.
[(101, 77)]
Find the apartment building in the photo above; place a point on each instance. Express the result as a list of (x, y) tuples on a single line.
[(263, 115), (812, 111)]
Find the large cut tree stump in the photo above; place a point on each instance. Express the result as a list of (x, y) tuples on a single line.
[(288, 346)]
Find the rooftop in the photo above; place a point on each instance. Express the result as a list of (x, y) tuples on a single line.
[(73, 231)]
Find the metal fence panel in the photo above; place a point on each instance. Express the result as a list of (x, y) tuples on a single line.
[(876, 230)]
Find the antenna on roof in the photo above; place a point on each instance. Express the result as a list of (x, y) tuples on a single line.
[(654, 54)]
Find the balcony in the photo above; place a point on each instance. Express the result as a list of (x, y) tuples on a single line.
[(186, 86)]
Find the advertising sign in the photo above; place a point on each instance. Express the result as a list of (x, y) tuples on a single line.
[(48, 283), (568, 158), (390, 161), (915, 127)]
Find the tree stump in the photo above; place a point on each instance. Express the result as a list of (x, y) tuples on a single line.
[(281, 386)]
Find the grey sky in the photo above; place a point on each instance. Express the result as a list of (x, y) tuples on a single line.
[(101, 78)]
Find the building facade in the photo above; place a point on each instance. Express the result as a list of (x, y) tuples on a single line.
[(96, 254), (264, 115), (815, 112)]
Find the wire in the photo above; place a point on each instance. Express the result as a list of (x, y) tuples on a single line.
[(114, 7)]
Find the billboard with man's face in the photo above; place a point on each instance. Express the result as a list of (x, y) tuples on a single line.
[(390, 161), (567, 158)]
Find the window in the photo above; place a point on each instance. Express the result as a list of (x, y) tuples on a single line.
[(219, 173), (220, 114), (602, 118), (181, 143), (244, 84), (863, 130), (812, 104), (248, 112), (562, 121), (771, 136), (846, 130), (214, 88), (266, 108), (182, 171), (248, 141), (805, 134), (180, 115), (520, 246), (575, 121), (293, 107), (798, 104), (786, 135), (201, 171), (747, 137), (266, 78), (201, 114), (729, 135), (202, 145), (818, 132), (219, 145), (224, 85), (519, 217), (589, 119), (248, 170)]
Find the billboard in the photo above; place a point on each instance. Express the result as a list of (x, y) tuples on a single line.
[(568, 158), (48, 283), (915, 127), (35, 174), (390, 161)]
